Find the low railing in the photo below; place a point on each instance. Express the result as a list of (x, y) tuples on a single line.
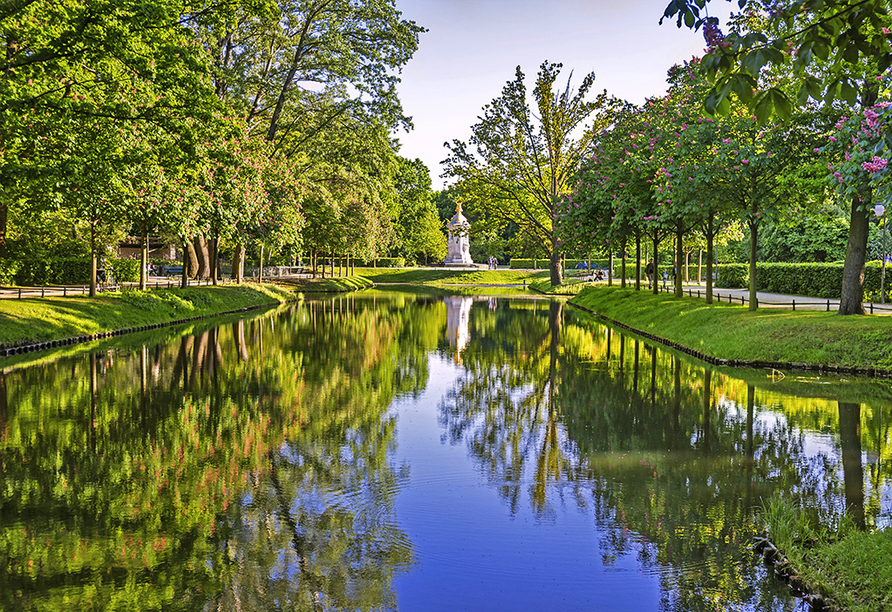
[(79, 290), (743, 300)]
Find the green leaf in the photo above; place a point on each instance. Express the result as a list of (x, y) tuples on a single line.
[(743, 85), (783, 106), (764, 108)]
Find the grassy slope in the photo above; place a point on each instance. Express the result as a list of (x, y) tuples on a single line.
[(571, 286), (326, 285), (43, 319), (850, 567), (732, 332), (444, 276)]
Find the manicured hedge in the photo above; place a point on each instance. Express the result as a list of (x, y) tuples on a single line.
[(822, 280), (384, 262), (542, 264), (126, 270), (68, 271)]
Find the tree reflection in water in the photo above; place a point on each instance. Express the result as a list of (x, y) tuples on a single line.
[(238, 467), (249, 465), (672, 470)]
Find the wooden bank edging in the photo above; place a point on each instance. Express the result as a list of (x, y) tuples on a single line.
[(40, 346), (783, 570), (744, 363)]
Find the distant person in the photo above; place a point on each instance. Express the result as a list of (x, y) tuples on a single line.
[(665, 277), (649, 271)]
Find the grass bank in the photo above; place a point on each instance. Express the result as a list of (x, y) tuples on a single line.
[(571, 286), (326, 285), (725, 331), (451, 276), (849, 567), (32, 321)]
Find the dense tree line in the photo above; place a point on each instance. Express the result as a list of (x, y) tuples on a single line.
[(263, 125)]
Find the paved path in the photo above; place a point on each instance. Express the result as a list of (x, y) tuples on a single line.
[(778, 300)]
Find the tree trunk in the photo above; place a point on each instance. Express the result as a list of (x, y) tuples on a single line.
[(679, 260), (754, 240), (622, 280), (213, 246), (610, 269), (190, 260), (203, 256), (144, 260), (699, 265), (637, 262), (238, 263), (852, 295), (710, 255), (4, 212), (656, 285), (93, 260), (555, 269), (260, 266)]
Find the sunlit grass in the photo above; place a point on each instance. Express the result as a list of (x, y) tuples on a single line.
[(449, 276), (853, 568), (728, 331), (43, 319), (327, 284)]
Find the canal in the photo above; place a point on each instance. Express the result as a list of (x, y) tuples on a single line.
[(391, 450)]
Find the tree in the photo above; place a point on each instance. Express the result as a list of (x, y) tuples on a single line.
[(828, 50), (524, 162), (418, 227)]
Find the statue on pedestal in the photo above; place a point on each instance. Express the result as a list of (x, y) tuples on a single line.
[(458, 248)]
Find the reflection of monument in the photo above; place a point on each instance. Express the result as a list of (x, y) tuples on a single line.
[(458, 313), (458, 249)]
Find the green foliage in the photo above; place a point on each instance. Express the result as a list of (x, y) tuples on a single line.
[(521, 161), (8, 270), (520, 263), (832, 555), (58, 271), (383, 262), (823, 46), (126, 270)]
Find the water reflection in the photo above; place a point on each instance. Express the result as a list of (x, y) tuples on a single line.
[(254, 465)]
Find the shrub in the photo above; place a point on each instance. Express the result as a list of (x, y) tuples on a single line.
[(8, 269), (126, 270), (59, 271), (383, 262)]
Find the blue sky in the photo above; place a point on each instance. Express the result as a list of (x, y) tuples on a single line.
[(473, 46)]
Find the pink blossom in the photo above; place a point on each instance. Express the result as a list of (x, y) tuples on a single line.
[(874, 165)]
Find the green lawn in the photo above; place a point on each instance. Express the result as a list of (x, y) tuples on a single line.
[(447, 276), (327, 284), (727, 331), (851, 567), (43, 319)]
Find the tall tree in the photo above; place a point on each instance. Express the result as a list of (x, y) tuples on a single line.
[(830, 50), (524, 161)]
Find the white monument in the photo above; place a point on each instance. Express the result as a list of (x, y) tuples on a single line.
[(458, 250)]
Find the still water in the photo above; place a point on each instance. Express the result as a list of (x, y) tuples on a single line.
[(395, 451)]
